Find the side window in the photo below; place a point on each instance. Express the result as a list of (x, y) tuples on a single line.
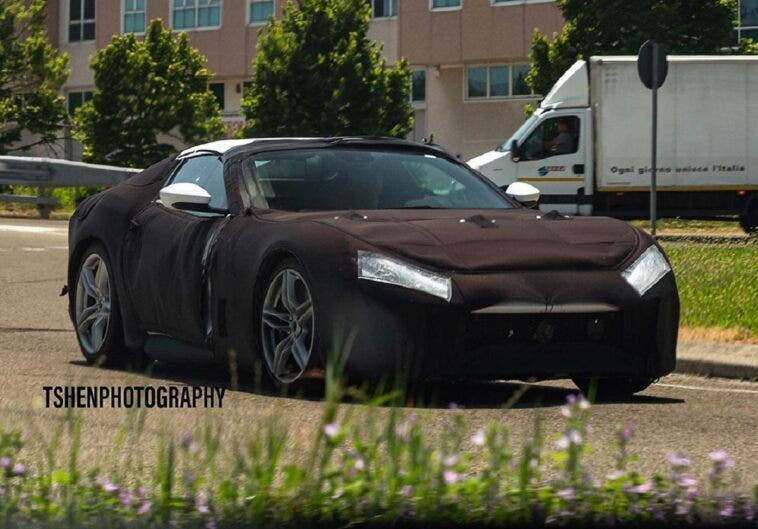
[(555, 137), (208, 173)]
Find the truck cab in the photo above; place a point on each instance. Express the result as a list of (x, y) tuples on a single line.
[(552, 149)]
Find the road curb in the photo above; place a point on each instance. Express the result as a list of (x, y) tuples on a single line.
[(717, 359), (691, 366)]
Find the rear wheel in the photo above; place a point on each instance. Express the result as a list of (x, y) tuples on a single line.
[(287, 324), (613, 388)]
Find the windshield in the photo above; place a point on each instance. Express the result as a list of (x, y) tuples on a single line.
[(518, 134), (358, 178)]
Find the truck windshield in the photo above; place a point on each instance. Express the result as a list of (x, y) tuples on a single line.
[(518, 134), (331, 179)]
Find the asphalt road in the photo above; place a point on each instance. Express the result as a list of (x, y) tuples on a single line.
[(38, 348)]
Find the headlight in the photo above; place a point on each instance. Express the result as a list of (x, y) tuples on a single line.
[(647, 270), (375, 267)]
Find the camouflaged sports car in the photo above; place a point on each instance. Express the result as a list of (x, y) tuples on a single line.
[(274, 250)]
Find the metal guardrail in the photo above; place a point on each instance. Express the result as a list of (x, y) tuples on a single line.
[(52, 172)]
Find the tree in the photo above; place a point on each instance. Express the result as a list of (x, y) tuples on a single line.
[(317, 74), (32, 73), (147, 92), (620, 27)]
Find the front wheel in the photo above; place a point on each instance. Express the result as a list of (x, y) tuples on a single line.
[(96, 312), (613, 388), (287, 323)]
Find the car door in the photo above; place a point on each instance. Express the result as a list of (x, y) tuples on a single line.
[(553, 161), (165, 253)]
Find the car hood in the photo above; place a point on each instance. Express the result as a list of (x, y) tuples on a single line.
[(479, 240)]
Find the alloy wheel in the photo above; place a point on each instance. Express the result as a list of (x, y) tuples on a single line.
[(287, 324), (93, 303)]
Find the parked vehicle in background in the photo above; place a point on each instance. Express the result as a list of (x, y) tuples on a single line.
[(587, 148)]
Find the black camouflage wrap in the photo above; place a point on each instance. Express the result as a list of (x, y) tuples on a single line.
[(200, 280)]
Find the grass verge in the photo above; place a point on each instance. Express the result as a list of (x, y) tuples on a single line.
[(718, 287), (360, 471)]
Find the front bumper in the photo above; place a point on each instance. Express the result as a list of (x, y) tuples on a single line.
[(564, 324)]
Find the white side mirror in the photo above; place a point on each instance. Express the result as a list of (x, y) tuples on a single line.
[(184, 195), (524, 193)]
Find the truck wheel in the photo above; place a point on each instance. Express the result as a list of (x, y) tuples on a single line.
[(749, 217)]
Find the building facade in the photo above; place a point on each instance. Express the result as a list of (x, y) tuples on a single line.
[(469, 57)]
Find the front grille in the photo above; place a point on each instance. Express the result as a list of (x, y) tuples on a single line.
[(506, 331)]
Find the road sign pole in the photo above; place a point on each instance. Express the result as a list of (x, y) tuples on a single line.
[(654, 168)]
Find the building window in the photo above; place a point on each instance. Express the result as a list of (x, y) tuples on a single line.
[(446, 4), (519, 86), (383, 8), (191, 14), (75, 99), (260, 11), (218, 92), (134, 16), (418, 86), (497, 81), (81, 20), (747, 26)]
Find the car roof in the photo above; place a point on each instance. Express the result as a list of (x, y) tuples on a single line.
[(230, 148)]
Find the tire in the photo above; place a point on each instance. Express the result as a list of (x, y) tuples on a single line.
[(286, 324), (97, 315), (613, 388), (749, 217)]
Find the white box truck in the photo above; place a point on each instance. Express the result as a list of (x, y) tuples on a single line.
[(588, 146)]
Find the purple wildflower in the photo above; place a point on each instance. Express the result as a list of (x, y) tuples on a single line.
[(145, 507), (452, 406), (450, 477), (626, 435), (5, 462), (406, 491), (185, 441), (125, 499), (479, 438), (563, 443), (727, 511), (450, 460), (584, 404), (566, 411), (642, 489), (566, 494), (686, 481), (571, 398), (575, 437), (19, 469), (201, 504), (678, 461), (331, 430)]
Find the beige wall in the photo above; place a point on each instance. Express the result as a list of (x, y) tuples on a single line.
[(385, 31), (479, 31)]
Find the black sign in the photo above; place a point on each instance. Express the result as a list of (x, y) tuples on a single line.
[(651, 60)]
